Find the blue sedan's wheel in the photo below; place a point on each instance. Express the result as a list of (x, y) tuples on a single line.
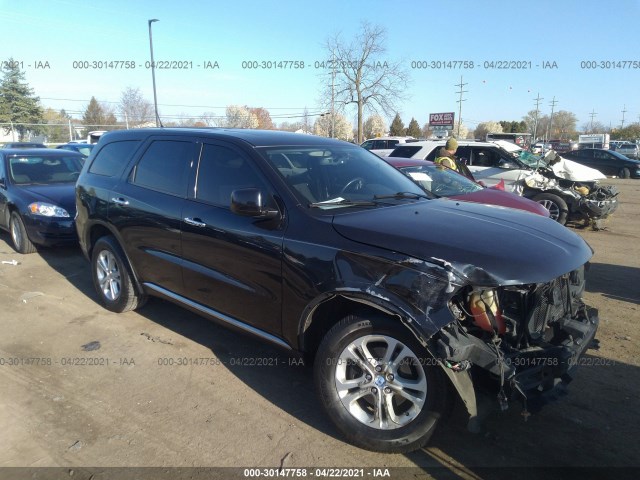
[(19, 236)]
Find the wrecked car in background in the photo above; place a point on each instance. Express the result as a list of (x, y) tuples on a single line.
[(565, 188), (400, 300), (569, 191)]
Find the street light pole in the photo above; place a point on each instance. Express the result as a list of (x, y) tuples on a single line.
[(153, 74)]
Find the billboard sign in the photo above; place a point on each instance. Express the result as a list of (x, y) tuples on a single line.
[(441, 119)]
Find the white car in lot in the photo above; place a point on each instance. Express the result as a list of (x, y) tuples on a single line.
[(565, 188), (383, 146)]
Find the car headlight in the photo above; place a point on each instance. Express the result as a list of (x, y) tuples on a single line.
[(47, 210)]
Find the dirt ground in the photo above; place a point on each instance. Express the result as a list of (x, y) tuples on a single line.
[(130, 401)]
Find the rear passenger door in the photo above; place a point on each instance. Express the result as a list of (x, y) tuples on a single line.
[(232, 263), (146, 208)]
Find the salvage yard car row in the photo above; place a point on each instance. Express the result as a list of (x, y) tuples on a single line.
[(327, 251)]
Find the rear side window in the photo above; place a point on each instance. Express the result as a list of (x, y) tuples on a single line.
[(111, 160), (163, 166), (405, 151)]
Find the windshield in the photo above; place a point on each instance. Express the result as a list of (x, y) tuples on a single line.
[(28, 169), (440, 180), (529, 159), (338, 176)]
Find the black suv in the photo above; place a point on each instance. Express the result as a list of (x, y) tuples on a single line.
[(322, 248)]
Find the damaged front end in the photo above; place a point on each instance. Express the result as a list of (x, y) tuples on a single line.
[(517, 342), (586, 199)]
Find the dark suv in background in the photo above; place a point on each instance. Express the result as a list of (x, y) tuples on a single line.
[(322, 248)]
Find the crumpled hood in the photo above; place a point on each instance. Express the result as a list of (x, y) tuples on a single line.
[(576, 172), (62, 195), (486, 246)]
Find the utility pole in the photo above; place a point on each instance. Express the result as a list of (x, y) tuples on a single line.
[(624, 110), (333, 79), (592, 114), (459, 101), (538, 99), (153, 74), (553, 105)]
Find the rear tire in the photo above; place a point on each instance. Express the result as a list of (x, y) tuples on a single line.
[(378, 385), (624, 173), (19, 236), (558, 209), (112, 277)]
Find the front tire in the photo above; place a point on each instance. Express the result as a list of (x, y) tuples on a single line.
[(378, 385), (19, 236), (112, 278), (624, 173), (558, 209)]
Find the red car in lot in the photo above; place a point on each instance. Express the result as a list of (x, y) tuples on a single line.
[(444, 182)]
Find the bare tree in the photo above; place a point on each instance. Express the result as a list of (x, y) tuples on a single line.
[(362, 77), (134, 108)]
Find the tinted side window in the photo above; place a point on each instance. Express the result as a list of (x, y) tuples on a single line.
[(163, 166), (368, 144), (405, 152), (111, 160), (220, 172)]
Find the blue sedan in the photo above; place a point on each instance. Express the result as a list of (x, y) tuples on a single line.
[(83, 148), (37, 196)]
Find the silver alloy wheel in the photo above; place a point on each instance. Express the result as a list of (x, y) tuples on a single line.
[(381, 382), (16, 234), (108, 275), (554, 210)]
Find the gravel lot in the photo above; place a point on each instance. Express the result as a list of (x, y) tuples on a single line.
[(130, 401)]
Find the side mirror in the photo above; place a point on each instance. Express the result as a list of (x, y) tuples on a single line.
[(507, 165), (247, 202)]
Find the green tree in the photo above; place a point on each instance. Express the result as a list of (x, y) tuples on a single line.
[(413, 129), (18, 104), (97, 117), (513, 126), (397, 127)]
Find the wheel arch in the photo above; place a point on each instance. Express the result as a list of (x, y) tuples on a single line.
[(322, 314), (99, 230)]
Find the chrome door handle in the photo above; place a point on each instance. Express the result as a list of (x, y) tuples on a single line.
[(195, 222), (120, 201)]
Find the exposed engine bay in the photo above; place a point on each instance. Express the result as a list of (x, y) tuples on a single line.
[(520, 342)]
